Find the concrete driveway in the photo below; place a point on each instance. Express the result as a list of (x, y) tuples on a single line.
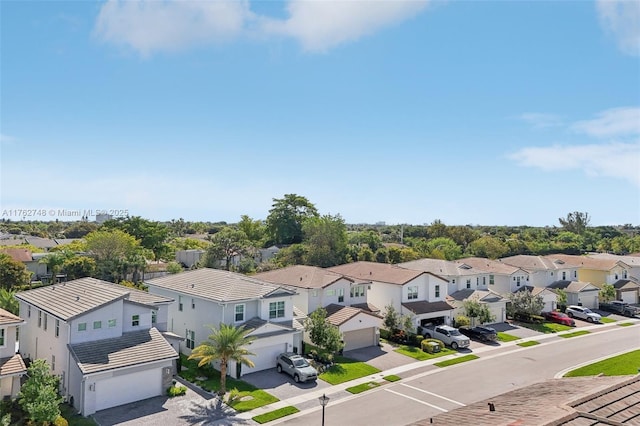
[(281, 385), (382, 357)]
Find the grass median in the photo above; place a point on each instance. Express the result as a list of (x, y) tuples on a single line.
[(275, 414), (621, 365), (457, 360)]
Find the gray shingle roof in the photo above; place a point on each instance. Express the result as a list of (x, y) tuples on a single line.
[(133, 348), (68, 300), (423, 307), (218, 285)]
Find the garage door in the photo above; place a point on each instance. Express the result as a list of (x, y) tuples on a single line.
[(128, 388), (265, 357), (629, 296), (359, 339), (589, 299)]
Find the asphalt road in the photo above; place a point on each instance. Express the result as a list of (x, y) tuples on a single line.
[(430, 393)]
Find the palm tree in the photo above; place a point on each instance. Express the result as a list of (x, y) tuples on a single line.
[(8, 302), (224, 344), (54, 262)]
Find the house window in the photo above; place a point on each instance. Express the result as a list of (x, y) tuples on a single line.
[(57, 327), (564, 275), (575, 274), (191, 339), (484, 280), (239, 312), (357, 291), (82, 326), (180, 303), (39, 319), (412, 292), (135, 320), (97, 325), (616, 276), (468, 283), (518, 281), (491, 279), (477, 281), (154, 316), (53, 362), (624, 274), (28, 311), (340, 295), (331, 292), (437, 290), (46, 317), (276, 310), (453, 281), (1, 337), (193, 303), (111, 323)]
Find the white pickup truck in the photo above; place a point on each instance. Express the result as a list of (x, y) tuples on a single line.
[(448, 335)]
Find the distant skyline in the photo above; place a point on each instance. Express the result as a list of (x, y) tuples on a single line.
[(481, 113)]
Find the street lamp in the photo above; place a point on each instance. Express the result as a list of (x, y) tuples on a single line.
[(324, 400)]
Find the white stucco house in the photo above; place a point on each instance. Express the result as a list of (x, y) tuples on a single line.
[(205, 298), (493, 275), (579, 293), (417, 293), (496, 303), (549, 296), (459, 275), (543, 270), (12, 366), (344, 298), (100, 339)]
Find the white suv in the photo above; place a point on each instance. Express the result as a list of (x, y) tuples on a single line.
[(583, 313), (296, 366)]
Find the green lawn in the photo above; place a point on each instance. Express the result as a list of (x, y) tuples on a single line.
[(605, 320), (547, 327), (74, 419), (346, 369), (419, 354), (457, 360), (275, 414), (528, 343), (505, 337), (574, 334), (621, 365), (250, 397), (363, 387), (391, 378), (625, 324)]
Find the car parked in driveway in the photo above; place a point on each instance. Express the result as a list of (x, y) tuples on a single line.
[(296, 366), (483, 334), (583, 313), (559, 317)]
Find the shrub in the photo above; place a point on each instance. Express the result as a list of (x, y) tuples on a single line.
[(418, 340), (385, 334), (536, 319), (60, 421), (462, 321), (176, 391), (233, 396), (428, 348)]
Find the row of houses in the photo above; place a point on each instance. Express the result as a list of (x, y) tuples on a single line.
[(100, 338)]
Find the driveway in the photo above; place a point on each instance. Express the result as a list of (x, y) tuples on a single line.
[(382, 357), (281, 385), (515, 330), (195, 408)]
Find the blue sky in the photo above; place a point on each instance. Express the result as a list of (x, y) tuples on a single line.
[(491, 112)]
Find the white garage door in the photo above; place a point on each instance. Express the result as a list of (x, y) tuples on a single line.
[(128, 388), (589, 299), (359, 339), (265, 357), (629, 296)]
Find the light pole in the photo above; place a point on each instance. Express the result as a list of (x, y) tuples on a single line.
[(324, 400)]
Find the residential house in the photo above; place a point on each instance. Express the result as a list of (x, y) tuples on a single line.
[(596, 270), (549, 296), (189, 258), (417, 293), (543, 270), (100, 339), (500, 278), (209, 297), (631, 261), (321, 288), (578, 293), (627, 291), (496, 303), (12, 366), (460, 276)]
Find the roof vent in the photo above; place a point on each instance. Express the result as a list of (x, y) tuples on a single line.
[(193, 285), (77, 298), (300, 278)]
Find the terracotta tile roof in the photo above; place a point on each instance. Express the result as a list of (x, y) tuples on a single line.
[(7, 318), (534, 290), (489, 266), (218, 285), (587, 262), (381, 272), (631, 259), (367, 307), (438, 267), (301, 276), (554, 402), (133, 348), (12, 366), (338, 314), (18, 254), (423, 307)]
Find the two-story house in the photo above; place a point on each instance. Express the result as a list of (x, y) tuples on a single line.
[(494, 275), (100, 339), (460, 276), (596, 270), (341, 296), (207, 297), (543, 270), (417, 293), (12, 367)]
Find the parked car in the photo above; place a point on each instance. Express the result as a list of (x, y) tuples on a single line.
[(296, 366), (559, 317), (583, 313), (620, 307), (448, 335), (483, 334)]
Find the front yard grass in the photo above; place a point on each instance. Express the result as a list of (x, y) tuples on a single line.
[(75, 419), (275, 414), (547, 327), (625, 324), (528, 343), (505, 337), (574, 334), (621, 365), (605, 320), (419, 354), (346, 369), (457, 360), (249, 398), (363, 387), (392, 378)]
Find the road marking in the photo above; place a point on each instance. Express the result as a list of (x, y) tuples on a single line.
[(434, 394), (417, 400)]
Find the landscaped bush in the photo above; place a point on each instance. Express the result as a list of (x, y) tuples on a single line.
[(60, 421), (176, 390), (427, 347), (418, 340), (385, 334), (462, 321)]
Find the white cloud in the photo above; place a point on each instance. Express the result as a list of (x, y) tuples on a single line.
[(541, 120), (621, 18), (321, 25), (616, 122), (152, 25), (617, 160)]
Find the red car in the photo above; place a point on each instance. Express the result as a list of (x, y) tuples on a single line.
[(560, 318)]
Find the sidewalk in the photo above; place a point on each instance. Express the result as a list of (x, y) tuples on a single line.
[(338, 392)]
